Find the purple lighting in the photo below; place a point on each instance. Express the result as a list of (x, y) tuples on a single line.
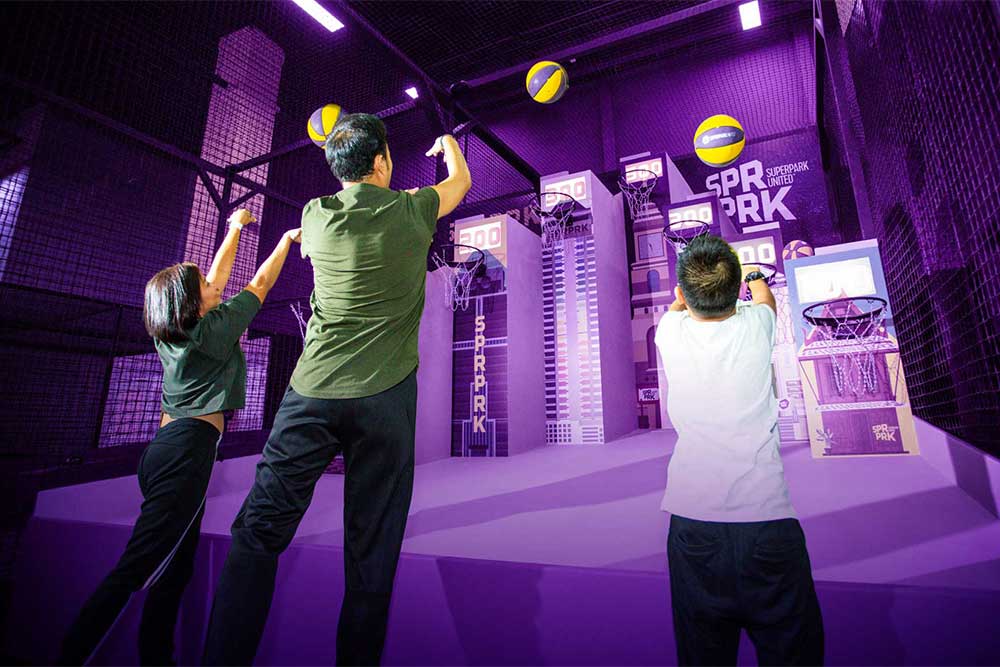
[(325, 18), (412, 92), (750, 15)]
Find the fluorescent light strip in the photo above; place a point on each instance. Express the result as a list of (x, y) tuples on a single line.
[(750, 15), (318, 12)]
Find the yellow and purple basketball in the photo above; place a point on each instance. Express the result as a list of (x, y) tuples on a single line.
[(795, 249), (321, 123), (719, 140), (547, 81)]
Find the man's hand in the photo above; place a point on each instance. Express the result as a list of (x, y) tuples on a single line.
[(749, 268), (294, 235), (242, 217), (438, 146), (411, 191)]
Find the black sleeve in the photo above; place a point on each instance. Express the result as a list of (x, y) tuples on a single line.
[(221, 327)]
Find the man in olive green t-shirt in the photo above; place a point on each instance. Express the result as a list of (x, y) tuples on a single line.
[(353, 391)]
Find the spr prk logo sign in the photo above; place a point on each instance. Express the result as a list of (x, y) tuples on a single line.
[(479, 377), (754, 194), (776, 183)]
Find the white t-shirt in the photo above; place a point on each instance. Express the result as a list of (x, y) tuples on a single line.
[(720, 397)]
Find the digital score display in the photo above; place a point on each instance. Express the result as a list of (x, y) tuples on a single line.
[(699, 212), (576, 187), (489, 234), (757, 251), (833, 280), (638, 171)]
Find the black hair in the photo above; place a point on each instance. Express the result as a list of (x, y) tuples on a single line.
[(709, 274), (353, 144), (172, 304)]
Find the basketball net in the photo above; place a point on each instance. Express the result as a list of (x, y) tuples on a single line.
[(673, 230), (852, 340), (637, 193), (458, 279), (553, 219)]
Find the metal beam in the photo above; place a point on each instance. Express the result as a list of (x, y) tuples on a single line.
[(206, 180), (249, 195), (264, 159), (303, 143), (606, 40), (144, 138), (477, 128)]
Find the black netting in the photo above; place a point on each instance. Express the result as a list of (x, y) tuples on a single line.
[(928, 98), (122, 128)]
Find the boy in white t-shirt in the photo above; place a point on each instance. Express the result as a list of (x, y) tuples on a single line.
[(736, 552)]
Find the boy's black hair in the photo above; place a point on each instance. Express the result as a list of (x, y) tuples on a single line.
[(709, 274), (353, 144)]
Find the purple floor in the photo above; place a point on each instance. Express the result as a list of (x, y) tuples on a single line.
[(575, 535)]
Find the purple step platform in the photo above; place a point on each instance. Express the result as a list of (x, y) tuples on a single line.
[(556, 557)]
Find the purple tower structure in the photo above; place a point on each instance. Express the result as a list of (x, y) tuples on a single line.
[(588, 380), (498, 404)]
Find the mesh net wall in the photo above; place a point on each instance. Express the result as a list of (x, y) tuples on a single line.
[(927, 94), (112, 118)]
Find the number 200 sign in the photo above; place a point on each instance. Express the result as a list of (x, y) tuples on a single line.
[(574, 187), (485, 237), (762, 252)]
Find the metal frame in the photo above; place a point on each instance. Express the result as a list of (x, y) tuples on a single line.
[(475, 126)]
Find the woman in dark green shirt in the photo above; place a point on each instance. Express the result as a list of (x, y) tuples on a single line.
[(196, 335)]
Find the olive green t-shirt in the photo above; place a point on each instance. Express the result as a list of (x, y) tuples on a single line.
[(207, 373), (368, 248)]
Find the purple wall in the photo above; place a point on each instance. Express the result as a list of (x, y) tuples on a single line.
[(765, 81)]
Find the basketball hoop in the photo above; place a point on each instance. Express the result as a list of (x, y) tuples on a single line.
[(769, 271), (299, 318), (459, 272), (638, 190), (553, 209), (681, 232), (851, 330)]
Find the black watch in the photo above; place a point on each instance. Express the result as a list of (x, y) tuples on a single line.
[(754, 275)]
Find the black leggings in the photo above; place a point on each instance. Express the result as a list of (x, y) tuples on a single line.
[(173, 475)]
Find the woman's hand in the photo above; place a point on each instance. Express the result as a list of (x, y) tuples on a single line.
[(242, 217)]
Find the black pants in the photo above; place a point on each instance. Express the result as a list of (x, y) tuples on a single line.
[(376, 435), (173, 476), (725, 577)]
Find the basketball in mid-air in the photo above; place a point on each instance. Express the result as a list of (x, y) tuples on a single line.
[(321, 123), (547, 81), (795, 249), (719, 140)]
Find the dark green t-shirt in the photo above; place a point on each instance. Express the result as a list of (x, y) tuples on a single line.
[(207, 373), (368, 248)]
